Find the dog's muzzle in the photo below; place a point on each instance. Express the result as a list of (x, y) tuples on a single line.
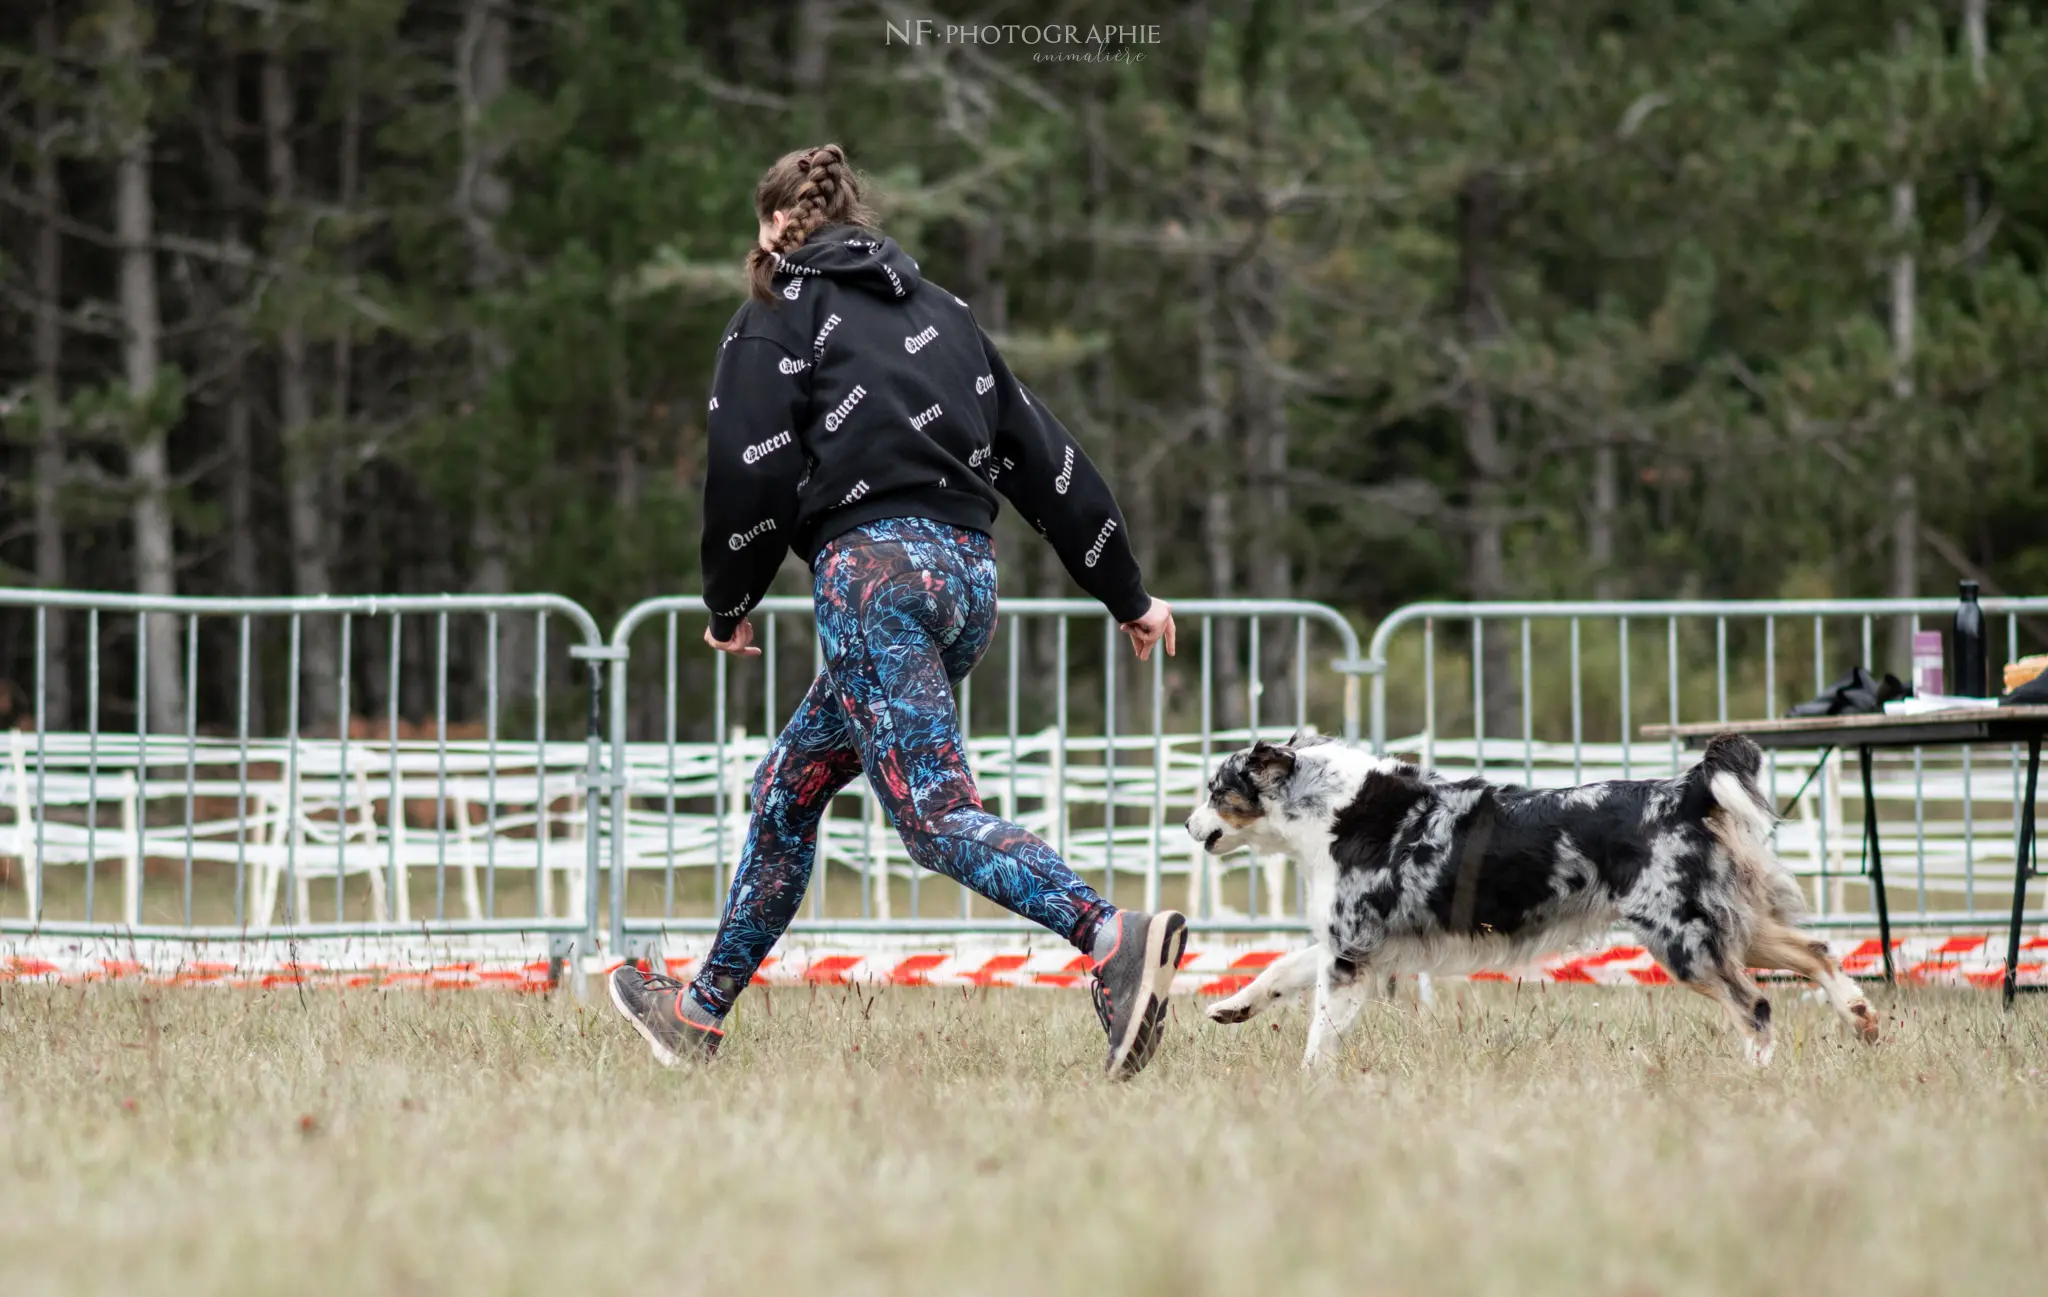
[(1205, 828)]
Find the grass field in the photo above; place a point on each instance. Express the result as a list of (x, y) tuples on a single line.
[(1575, 1141)]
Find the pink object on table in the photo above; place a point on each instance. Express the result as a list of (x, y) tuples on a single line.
[(1927, 673)]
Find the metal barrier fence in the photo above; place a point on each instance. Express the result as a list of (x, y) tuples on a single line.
[(1553, 722), (1110, 796), (330, 807), (489, 785)]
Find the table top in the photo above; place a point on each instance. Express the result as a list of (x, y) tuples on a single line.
[(1871, 729)]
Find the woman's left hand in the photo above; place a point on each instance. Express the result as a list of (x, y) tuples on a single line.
[(1154, 627), (740, 645)]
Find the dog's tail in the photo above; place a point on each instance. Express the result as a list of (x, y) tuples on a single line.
[(1730, 768)]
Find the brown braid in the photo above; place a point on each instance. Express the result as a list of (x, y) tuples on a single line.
[(817, 188)]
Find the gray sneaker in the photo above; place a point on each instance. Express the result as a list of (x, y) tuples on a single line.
[(1131, 984), (657, 1005)]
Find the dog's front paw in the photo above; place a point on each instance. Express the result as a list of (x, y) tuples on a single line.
[(1230, 1011), (1866, 1022)]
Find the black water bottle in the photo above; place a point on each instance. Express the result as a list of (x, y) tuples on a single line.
[(1968, 671)]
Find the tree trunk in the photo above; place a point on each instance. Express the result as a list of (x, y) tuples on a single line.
[(1262, 417), (342, 361), (51, 468), (305, 466), (1219, 526), (149, 466), (1905, 495), (245, 569), (811, 45), (483, 197), (1478, 212), (1977, 42)]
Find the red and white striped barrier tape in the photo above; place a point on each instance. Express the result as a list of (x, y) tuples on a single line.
[(1218, 968)]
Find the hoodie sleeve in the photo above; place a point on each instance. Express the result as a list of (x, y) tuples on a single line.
[(755, 468), (1042, 469)]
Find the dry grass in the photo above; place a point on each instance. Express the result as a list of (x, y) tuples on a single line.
[(1577, 1141)]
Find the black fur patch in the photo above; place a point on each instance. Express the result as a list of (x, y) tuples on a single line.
[(1233, 794), (1364, 830)]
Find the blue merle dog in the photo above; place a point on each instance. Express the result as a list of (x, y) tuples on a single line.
[(1408, 871)]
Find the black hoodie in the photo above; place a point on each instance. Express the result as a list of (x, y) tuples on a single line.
[(865, 393)]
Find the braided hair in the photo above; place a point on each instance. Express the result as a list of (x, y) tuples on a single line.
[(816, 187)]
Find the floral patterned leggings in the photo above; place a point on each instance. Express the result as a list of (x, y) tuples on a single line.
[(906, 607)]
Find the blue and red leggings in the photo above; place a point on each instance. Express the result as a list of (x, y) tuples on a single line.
[(906, 607)]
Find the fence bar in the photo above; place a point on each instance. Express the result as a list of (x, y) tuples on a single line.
[(92, 771), (441, 768), (35, 899), (1969, 833), (1627, 725), (1671, 658), (1429, 694), (292, 917), (341, 815), (718, 803), (1528, 712), (242, 774), (191, 751), (543, 820), (1109, 630), (1820, 668), (1060, 724), (1479, 695), (1254, 680), (1206, 902), (1300, 674), (1158, 777), (1578, 713), (490, 766), (1919, 831), (1721, 669), (399, 884), (133, 868), (668, 718), (1771, 707)]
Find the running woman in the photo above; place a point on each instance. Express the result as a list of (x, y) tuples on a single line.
[(860, 418)]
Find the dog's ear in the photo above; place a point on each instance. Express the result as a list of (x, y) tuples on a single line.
[(1271, 765)]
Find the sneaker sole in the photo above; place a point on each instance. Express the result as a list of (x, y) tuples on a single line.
[(667, 1056), (1165, 938)]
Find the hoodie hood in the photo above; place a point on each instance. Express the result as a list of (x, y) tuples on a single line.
[(856, 258)]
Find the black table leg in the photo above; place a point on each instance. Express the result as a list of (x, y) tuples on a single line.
[(2022, 869), (1884, 911)]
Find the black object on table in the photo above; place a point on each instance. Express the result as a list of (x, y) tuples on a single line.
[(1868, 732)]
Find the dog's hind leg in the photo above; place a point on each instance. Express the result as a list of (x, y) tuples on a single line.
[(1697, 966), (1342, 988), (1778, 945), (1747, 1009), (1281, 978)]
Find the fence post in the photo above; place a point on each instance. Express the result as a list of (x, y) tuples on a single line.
[(600, 789)]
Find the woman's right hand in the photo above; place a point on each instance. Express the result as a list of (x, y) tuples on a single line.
[(740, 645), (1154, 626)]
